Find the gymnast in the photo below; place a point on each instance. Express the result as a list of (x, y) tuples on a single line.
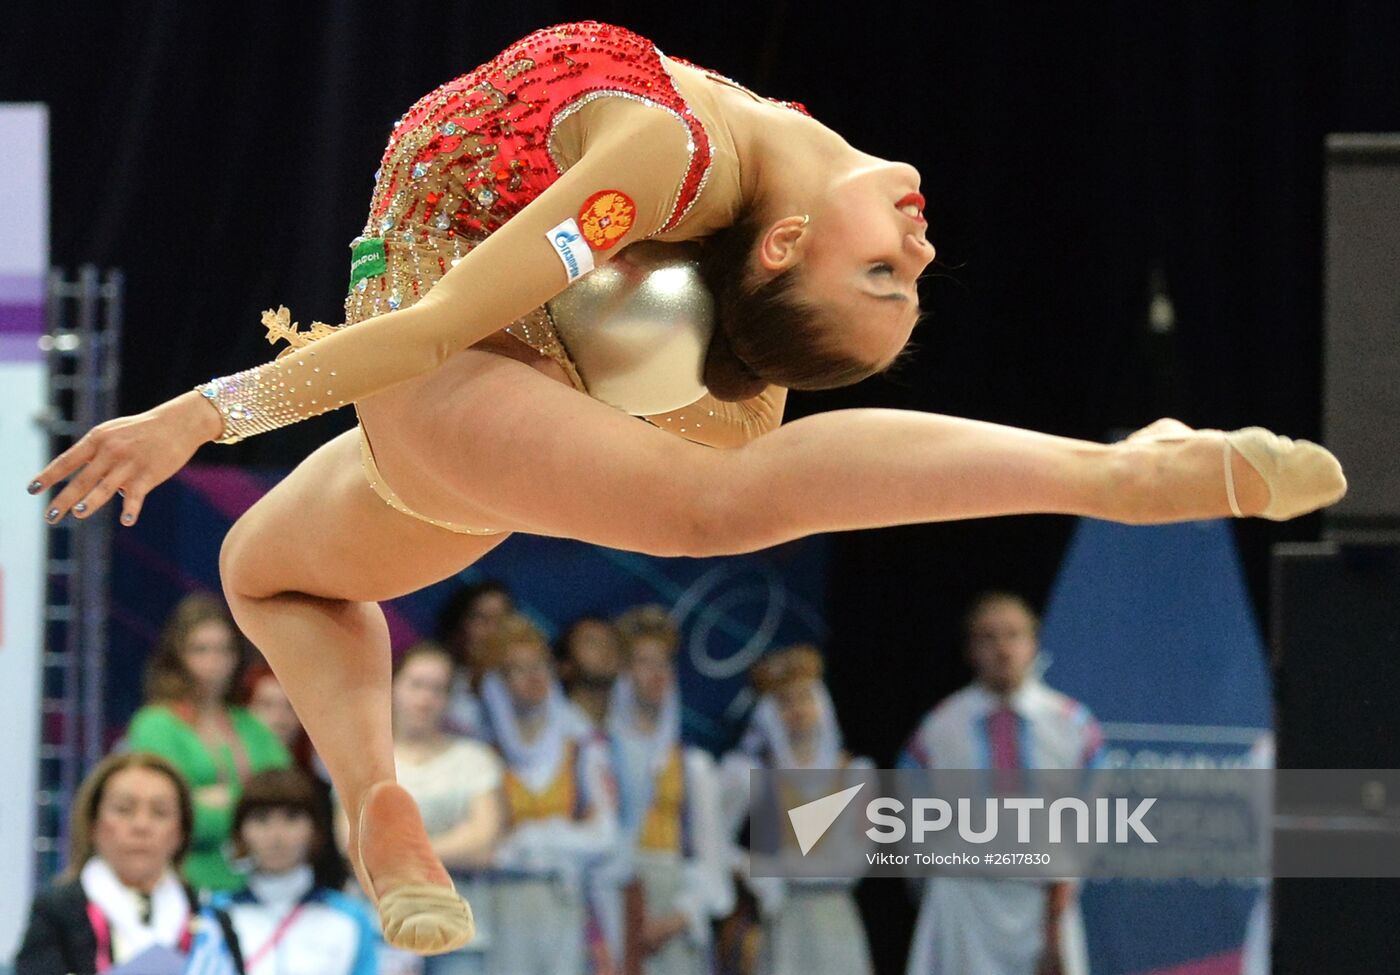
[(496, 191)]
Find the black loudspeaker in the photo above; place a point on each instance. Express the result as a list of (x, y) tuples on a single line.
[(1336, 643), (1361, 402)]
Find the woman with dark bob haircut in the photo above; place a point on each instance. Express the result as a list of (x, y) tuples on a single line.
[(495, 192), (121, 894), (290, 915)]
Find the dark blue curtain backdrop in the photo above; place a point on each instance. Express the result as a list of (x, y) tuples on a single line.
[(221, 154)]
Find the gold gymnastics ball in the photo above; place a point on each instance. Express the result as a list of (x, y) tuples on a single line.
[(638, 327)]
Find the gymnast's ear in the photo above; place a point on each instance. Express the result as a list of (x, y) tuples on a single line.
[(778, 247)]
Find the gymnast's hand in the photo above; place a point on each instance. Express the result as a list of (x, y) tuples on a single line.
[(130, 454)]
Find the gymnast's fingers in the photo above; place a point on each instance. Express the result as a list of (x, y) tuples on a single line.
[(133, 497), (66, 463), (102, 492), (78, 488)]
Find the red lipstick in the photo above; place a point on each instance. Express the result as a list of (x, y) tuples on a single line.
[(915, 198)]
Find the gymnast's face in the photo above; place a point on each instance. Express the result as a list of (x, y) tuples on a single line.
[(861, 254)]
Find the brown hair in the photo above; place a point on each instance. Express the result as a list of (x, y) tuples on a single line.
[(293, 791), (787, 666), (648, 622), (83, 816), (992, 597), (515, 628), (763, 332), (288, 789), (461, 606), (424, 648), (167, 678)]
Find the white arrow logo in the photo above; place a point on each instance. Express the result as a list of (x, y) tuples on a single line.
[(811, 820)]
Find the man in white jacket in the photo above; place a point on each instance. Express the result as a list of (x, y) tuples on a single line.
[(1006, 719)]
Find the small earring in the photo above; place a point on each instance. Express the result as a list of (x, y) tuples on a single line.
[(806, 219)]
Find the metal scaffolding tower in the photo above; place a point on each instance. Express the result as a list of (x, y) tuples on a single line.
[(82, 345)]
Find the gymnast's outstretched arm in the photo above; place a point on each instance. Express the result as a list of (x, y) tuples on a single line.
[(512, 272)]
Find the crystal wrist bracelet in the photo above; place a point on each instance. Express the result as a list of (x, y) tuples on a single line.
[(249, 403), (277, 394)]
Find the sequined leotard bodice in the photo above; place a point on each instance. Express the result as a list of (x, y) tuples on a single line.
[(470, 155), (500, 152)]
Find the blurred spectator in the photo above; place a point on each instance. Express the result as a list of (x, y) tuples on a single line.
[(560, 805), (261, 693), (290, 917), (590, 654), (191, 720), (1006, 720), (465, 624), (668, 797), (809, 925), (120, 896), (457, 785), (265, 699)]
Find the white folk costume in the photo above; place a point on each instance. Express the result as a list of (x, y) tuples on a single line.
[(674, 841), (810, 926), (562, 824), (997, 927)]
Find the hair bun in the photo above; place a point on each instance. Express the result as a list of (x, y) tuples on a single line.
[(726, 376)]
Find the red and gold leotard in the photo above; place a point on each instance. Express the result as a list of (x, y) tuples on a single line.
[(470, 155), (465, 163), (474, 175)]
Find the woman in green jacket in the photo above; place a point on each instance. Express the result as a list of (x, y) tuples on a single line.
[(190, 720)]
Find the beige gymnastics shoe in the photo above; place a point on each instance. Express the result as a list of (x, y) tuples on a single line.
[(426, 919), (1301, 476), (429, 918)]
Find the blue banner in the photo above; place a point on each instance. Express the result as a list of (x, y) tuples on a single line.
[(1153, 629)]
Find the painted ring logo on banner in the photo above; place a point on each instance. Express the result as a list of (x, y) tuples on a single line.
[(711, 599)]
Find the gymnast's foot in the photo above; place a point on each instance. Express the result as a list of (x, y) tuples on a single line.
[(1266, 475), (419, 908)]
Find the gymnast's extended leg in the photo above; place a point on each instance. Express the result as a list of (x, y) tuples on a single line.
[(561, 464), (303, 571)]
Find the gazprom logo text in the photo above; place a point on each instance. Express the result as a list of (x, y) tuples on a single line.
[(574, 253)]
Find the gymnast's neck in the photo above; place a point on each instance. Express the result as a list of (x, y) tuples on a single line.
[(787, 160)]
